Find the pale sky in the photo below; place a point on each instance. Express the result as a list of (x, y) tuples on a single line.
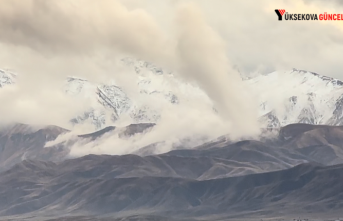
[(255, 39)]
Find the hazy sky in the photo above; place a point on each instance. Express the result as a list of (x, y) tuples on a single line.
[(255, 39)]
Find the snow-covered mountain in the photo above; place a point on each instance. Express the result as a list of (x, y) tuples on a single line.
[(285, 97), (153, 90), (108, 102), (298, 96)]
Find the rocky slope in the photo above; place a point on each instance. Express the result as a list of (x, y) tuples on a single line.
[(20, 142), (34, 188), (219, 180)]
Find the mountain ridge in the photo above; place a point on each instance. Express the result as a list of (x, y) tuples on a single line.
[(303, 97)]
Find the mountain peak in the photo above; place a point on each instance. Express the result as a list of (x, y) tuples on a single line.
[(6, 77), (332, 80)]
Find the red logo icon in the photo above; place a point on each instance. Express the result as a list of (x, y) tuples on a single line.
[(282, 11)]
